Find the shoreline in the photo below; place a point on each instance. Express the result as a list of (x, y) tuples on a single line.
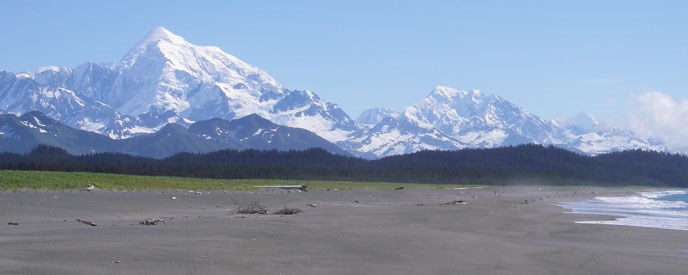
[(347, 232), (644, 209)]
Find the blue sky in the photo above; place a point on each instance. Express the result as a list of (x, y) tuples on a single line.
[(554, 58)]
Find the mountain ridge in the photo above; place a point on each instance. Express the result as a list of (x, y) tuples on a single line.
[(166, 79), (20, 134)]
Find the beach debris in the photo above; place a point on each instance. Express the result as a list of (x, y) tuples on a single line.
[(419, 204), (90, 187), (288, 211), (252, 208), (153, 221), (312, 205), (173, 198), (12, 223), (87, 222), (455, 202), (299, 188), (399, 188), (356, 201)]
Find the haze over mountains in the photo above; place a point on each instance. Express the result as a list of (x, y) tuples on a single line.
[(165, 84)]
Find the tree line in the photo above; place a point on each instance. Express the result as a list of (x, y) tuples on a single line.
[(523, 164)]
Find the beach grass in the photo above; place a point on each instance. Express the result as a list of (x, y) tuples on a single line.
[(18, 180)]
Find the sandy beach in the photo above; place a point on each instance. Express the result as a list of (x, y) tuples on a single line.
[(347, 232)]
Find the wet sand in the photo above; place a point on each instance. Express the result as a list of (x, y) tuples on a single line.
[(385, 232)]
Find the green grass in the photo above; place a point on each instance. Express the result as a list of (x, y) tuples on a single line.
[(18, 180)]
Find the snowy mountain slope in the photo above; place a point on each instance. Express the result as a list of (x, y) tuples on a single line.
[(165, 72), (396, 136), (22, 93)]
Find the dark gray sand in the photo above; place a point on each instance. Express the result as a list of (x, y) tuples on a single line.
[(385, 232)]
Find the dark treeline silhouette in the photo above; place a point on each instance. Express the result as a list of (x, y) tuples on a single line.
[(523, 164)]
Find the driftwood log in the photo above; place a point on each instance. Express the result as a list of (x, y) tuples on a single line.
[(87, 222), (454, 202), (288, 211), (154, 221), (252, 208)]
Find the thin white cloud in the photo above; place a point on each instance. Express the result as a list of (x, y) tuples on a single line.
[(658, 115)]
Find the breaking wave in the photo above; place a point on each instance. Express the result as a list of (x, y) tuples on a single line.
[(663, 209)]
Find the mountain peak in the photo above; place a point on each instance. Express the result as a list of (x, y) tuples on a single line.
[(161, 39), (449, 92), (445, 91), (163, 34)]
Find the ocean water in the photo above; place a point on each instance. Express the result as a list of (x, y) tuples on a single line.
[(663, 209)]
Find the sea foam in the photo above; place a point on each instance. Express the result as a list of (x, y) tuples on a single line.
[(646, 209)]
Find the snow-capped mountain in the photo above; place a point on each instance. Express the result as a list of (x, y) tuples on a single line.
[(165, 79), (479, 119), (586, 134), (450, 119)]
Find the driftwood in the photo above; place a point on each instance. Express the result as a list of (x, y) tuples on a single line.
[(86, 222), (12, 223), (300, 187), (288, 211), (252, 208), (453, 202), (399, 188), (154, 221)]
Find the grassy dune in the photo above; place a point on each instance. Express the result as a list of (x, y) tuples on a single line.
[(17, 180)]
